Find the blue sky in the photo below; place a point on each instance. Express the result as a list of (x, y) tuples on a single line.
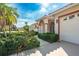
[(29, 12)]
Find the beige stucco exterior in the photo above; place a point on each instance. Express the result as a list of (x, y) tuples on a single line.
[(45, 24)]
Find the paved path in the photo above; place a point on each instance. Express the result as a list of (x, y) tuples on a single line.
[(55, 49), (42, 42)]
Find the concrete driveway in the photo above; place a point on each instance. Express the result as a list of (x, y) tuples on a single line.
[(55, 49)]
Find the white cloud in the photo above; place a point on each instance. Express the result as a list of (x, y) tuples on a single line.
[(31, 22), (35, 15), (45, 4), (43, 9), (21, 22), (54, 6)]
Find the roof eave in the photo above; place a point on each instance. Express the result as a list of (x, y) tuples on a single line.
[(61, 9)]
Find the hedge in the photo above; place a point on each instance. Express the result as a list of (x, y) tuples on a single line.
[(50, 37)]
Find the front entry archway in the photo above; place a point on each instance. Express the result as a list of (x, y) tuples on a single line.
[(41, 26)]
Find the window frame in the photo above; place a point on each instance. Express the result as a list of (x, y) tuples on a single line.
[(65, 18), (71, 16)]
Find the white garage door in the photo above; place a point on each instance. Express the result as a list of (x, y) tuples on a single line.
[(69, 29)]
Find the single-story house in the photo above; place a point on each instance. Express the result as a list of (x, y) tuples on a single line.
[(63, 22)]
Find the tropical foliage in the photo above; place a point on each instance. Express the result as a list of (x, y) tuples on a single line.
[(8, 15), (16, 42)]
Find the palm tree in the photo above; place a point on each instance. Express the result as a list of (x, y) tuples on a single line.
[(2, 15), (8, 14), (11, 17)]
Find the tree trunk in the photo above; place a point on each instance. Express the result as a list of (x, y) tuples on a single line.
[(3, 31), (9, 29)]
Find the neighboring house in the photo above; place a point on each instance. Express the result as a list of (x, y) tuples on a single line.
[(45, 24), (67, 23)]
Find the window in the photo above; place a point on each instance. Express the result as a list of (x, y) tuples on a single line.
[(72, 16), (65, 18), (78, 14)]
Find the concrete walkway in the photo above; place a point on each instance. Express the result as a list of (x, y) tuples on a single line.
[(55, 49), (42, 42)]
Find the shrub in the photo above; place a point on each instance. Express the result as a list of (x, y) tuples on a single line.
[(50, 37), (32, 42), (16, 42), (32, 33), (7, 46)]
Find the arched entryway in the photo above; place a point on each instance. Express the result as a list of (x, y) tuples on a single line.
[(50, 26), (41, 27)]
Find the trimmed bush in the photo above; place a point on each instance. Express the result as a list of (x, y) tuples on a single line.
[(50, 37)]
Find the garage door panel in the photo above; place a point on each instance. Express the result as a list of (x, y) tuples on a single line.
[(69, 30)]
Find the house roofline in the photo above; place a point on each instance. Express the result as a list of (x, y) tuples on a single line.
[(58, 10), (43, 17), (63, 8), (51, 13)]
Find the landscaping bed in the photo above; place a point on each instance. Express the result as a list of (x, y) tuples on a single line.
[(49, 37), (17, 42)]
